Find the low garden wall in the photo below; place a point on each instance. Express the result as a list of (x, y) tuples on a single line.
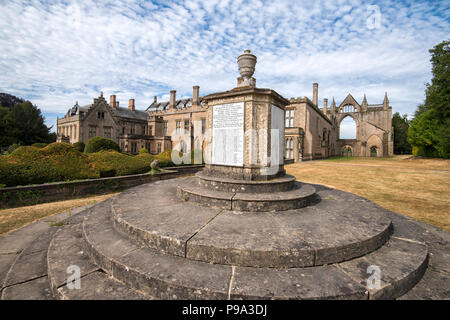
[(34, 194)]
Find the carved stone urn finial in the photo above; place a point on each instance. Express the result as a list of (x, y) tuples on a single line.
[(246, 63)]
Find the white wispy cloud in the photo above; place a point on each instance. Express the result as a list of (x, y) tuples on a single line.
[(57, 52)]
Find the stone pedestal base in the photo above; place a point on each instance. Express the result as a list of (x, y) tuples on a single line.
[(240, 173)]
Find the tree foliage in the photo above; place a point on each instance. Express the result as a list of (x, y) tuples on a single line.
[(401, 125), (22, 123), (429, 132)]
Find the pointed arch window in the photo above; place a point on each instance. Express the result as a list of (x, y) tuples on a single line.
[(289, 151), (347, 108), (347, 128)]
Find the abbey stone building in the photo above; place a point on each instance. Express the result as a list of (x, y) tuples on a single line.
[(311, 131)]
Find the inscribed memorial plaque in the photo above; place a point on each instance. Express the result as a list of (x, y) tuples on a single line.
[(228, 134)]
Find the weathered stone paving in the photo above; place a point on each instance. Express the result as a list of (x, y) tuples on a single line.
[(149, 243)]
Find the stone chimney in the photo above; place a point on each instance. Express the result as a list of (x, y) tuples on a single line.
[(315, 94), (195, 96), (155, 99), (131, 105), (112, 101), (173, 98), (325, 105)]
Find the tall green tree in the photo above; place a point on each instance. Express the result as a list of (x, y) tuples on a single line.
[(23, 124), (6, 138), (430, 130), (401, 126)]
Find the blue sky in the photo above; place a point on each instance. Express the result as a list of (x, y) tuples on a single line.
[(57, 52)]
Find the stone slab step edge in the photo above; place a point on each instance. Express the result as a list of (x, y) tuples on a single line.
[(67, 249), (147, 282), (262, 202), (209, 254), (281, 184), (36, 248)]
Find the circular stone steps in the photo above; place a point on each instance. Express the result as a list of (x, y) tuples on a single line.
[(301, 195), (292, 238), (279, 184), (166, 276), (66, 250), (112, 243)]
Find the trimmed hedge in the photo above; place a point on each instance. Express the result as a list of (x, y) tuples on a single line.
[(79, 146), (109, 162), (97, 144), (39, 145), (56, 162), (13, 147), (63, 162), (143, 150)]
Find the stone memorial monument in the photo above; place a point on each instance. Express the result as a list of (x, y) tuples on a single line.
[(247, 126), (245, 150), (240, 229)]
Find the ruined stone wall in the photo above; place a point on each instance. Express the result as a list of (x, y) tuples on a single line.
[(373, 131)]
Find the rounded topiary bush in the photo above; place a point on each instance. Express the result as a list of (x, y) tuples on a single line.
[(143, 150), (110, 162), (39, 145), (165, 158), (58, 148), (97, 144), (27, 153), (56, 162), (79, 146), (13, 147)]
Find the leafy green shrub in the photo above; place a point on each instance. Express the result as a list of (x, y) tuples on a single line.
[(415, 151), (143, 150), (123, 164), (58, 148), (165, 159), (97, 144), (56, 162), (39, 145), (13, 147), (26, 153), (105, 173), (63, 162), (79, 146)]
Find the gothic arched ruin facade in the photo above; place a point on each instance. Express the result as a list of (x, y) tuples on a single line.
[(374, 134)]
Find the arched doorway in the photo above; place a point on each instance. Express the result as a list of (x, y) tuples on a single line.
[(373, 152), (347, 151), (375, 146)]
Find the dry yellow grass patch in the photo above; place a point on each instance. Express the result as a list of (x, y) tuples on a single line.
[(11, 219), (418, 188)]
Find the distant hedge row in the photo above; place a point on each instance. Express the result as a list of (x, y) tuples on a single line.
[(64, 162)]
